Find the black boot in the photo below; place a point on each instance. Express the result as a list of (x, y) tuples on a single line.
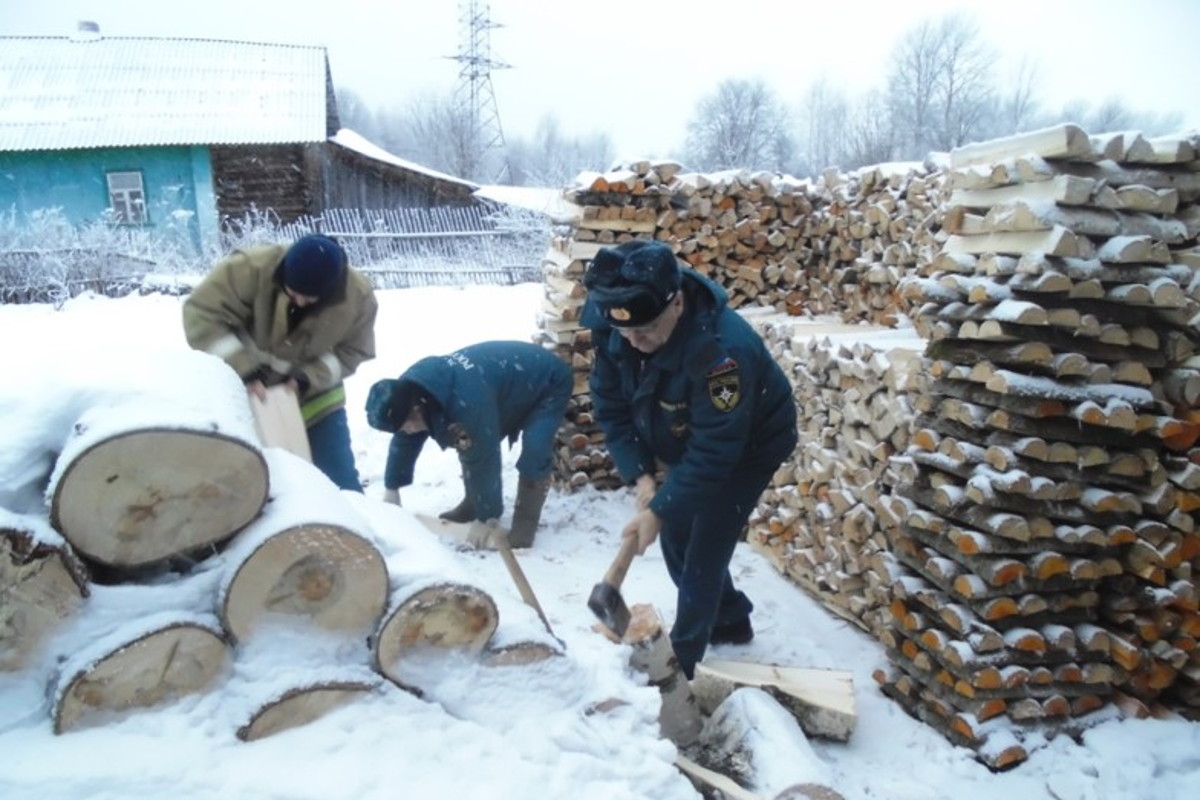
[(531, 496), (463, 512)]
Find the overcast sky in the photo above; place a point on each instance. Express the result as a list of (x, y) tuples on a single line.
[(635, 69)]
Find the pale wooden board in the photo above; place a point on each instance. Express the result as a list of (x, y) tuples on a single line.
[(822, 699), (722, 783), (452, 531), (278, 422)]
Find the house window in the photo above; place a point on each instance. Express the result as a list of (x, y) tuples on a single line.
[(127, 197)]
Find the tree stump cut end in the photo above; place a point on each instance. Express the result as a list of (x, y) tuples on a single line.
[(144, 496)]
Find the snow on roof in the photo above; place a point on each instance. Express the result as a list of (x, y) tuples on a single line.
[(66, 93), (534, 198), (352, 140)]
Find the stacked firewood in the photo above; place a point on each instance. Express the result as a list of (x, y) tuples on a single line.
[(839, 245), (818, 522), (1043, 564)]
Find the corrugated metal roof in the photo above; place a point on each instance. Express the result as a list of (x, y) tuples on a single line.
[(58, 92)]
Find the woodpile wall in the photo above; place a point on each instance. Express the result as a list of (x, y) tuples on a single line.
[(836, 246), (1005, 496)]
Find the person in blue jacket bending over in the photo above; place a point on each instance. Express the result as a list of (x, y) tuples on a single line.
[(472, 400), (682, 382)]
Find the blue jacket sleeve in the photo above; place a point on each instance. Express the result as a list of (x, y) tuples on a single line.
[(614, 414), (402, 458)]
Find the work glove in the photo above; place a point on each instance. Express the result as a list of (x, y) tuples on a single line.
[(391, 496), (484, 535)]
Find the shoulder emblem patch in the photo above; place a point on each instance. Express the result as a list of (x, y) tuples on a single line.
[(725, 385)]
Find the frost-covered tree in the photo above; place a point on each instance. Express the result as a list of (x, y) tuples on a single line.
[(551, 158), (825, 115), (740, 125), (940, 85)]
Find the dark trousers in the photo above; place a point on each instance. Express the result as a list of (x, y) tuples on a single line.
[(697, 547), (329, 440)]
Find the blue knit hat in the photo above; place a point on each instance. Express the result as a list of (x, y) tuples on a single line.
[(314, 265), (632, 283)]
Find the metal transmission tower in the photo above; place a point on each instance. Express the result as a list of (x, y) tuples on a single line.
[(474, 96)]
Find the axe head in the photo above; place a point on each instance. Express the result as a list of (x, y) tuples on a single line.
[(608, 605)]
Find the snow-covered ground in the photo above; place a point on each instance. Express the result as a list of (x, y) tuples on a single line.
[(498, 732)]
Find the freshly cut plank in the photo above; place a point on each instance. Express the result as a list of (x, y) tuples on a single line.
[(302, 705), (143, 496), (822, 700), (155, 664), (278, 422)]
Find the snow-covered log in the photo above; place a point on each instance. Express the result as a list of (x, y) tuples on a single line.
[(140, 664), (166, 470), (753, 730), (310, 555), (41, 583), (821, 700), (301, 705)]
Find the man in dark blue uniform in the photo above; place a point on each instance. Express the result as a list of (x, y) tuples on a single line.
[(683, 382), (471, 400)]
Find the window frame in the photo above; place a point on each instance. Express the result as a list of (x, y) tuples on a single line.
[(128, 204)]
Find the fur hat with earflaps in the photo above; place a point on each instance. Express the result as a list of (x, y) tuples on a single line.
[(632, 283)]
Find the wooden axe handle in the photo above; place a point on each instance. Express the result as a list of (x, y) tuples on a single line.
[(620, 565)]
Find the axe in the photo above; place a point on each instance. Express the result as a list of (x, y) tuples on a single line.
[(606, 601)]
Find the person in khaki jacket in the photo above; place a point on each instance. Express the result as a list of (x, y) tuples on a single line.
[(298, 315)]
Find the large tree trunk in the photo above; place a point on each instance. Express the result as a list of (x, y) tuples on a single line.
[(142, 496)]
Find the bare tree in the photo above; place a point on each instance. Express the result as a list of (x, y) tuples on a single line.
[(740, 125), (436, 132), (1018, 106), (870, 135), (940, 85), (552, 159), (826, 115)]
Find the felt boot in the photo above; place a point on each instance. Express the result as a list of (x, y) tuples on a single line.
[(527, 513), (463, 512)]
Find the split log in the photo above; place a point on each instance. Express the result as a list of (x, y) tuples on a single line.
[(749, 729), (278, 422), (143, 664), (679, 715), (41, 584), (821, 700), (301, 705), (1065, 141)]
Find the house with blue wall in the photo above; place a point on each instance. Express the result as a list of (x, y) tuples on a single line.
[(179, 136)]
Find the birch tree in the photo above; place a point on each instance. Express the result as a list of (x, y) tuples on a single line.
[(741, 125)]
